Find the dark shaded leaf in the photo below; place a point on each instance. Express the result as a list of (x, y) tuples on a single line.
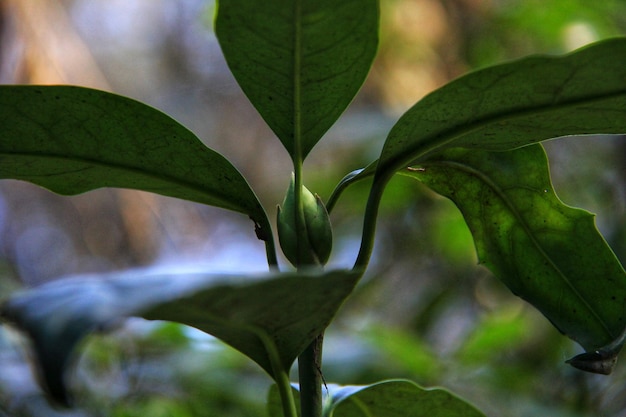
[(73, 139), (393, 398), (275, 314), (601, 361), (547, 253), (516, 104), (299, 62), (396, 398), (597, 362)]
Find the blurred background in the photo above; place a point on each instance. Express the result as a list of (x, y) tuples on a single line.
[(425, 310)]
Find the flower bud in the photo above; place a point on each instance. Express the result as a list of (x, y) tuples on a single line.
[(315, 245)]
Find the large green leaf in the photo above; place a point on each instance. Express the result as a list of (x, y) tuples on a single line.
[(72, 139), (516, 104), (547, 253), (393, 398), (397, 398), (300, 62), (269, 318)]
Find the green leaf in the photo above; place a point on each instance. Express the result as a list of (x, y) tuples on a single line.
[(392, 398), (73, 139), (396, 398), (547, 253), (300, 62), (516, 104), (269, 318)]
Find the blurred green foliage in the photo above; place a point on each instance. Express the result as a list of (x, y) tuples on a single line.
[(425, 311), (518, 27)]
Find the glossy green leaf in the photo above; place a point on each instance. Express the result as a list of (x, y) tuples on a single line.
[(300, 62), (516, 104), (269, 318), (393, 398), (547, 253), (72, 139)]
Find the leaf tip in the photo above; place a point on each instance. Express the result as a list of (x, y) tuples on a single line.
[(597, 362)]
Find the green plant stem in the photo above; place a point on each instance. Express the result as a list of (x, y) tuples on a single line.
[(296, 156), (264, 232), (270, 254), (286, 395), (309, 371), (369, 220), (352, 178), (309, 362), (281, 377)]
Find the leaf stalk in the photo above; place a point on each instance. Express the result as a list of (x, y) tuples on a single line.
[(369, 220)]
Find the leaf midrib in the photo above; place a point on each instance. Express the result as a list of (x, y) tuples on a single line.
[(430, 144), (177, 182), (527, 229), (297, 87)]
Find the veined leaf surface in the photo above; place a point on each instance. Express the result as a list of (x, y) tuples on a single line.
[(547, 253), (300, 62), (269, 318), (398, 398), (74, 139), (516, 104), (392, 398)]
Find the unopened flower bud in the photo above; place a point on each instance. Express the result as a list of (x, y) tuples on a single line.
[(315, 245)]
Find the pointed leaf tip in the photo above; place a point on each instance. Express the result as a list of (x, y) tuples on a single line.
[(597, 362), (601, 361), (300, 63)]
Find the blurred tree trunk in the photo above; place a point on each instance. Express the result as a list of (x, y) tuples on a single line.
[(48, 50)]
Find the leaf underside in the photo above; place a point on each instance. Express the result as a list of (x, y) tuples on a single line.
[(299, 62), (390, 398), (511, 105), (285, 310), (516, 104), (549, 254), (398, 398), (73, 139)]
